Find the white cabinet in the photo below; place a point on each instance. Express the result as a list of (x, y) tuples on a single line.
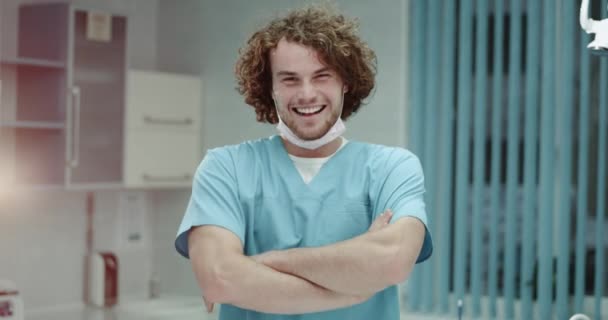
[(163, 129), (158, 100)]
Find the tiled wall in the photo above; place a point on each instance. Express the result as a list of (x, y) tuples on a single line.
[(173, 271), (42, 243), (42, 246)]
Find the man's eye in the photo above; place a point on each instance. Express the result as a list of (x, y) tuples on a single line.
[(323, 76), (289, 79)]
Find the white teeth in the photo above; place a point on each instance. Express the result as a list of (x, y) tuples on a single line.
[(308, 110)]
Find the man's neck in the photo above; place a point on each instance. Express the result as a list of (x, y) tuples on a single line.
[(321, 152)]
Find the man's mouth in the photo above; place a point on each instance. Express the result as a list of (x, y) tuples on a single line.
[(309, 110)]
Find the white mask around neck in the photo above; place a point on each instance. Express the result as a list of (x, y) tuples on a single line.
[(334, 132)]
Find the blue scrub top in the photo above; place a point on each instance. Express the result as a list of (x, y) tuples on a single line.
[(255, 191)]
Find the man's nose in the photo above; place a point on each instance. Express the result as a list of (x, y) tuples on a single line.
[(308, 92)]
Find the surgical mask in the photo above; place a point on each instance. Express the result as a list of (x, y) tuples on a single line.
[(334, 132)]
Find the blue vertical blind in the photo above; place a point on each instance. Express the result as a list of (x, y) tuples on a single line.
[(508, 113)]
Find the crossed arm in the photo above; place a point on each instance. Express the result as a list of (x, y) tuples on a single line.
[(362, 265), (318, 278), (227, 276)]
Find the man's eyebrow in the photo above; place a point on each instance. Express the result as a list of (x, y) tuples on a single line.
[(325, 69), (291, 73), (286, 73)]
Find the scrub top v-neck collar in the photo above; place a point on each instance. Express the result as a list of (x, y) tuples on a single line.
[(288, 168)]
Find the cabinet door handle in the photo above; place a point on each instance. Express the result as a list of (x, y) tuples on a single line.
[(156, 178), (75, 159), (1, 102), (166, 121)]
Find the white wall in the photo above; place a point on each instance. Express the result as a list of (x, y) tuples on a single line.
[(42, 234)]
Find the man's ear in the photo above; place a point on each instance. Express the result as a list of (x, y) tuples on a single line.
[(345, 88)]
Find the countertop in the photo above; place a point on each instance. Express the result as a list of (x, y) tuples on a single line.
[(169, 308), (165, 308)]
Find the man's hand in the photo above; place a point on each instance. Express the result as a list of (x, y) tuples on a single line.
[(208, 305), (381, 221)]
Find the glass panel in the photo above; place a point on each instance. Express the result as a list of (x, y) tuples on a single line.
[(42, 31), (99, 73), (40, 94)]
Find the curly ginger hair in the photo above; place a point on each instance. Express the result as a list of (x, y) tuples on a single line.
[(331, 35)]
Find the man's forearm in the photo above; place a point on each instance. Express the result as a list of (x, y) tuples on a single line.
[(363, 265), (257, 287)]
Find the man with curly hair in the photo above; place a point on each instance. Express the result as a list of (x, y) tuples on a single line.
[(305, 224)]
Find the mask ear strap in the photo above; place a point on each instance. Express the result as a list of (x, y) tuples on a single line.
[(342, 102), (276, 104)]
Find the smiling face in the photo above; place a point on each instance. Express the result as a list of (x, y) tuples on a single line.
[(308, 94)]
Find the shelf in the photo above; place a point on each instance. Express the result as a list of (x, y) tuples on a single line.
[(39, 157), (29, 62), (32, 125)]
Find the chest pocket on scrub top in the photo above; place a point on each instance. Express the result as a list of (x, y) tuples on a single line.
[(340, 221)]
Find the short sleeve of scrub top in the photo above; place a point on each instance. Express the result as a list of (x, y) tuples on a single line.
[(214, 199), (403, 192)]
